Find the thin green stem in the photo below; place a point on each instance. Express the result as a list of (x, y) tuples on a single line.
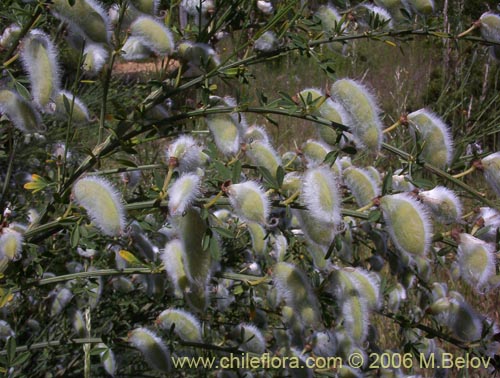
[(10, 166)]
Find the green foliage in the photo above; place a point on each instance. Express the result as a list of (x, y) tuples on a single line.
[(233, 190)]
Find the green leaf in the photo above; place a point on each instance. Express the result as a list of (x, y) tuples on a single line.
[(268, 177), (75, 236), (331, 157), (21, 358), (126, 163), (280, 176), (11, 349), (224, 232), (235, 178), (387, 183)]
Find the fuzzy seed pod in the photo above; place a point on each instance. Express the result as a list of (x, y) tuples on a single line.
[(96, 56), (108, 359), (466, 324), (80, 113), (251, 339), (183, 192), (368, 286), (256, 132), (315, 152), (374, 174), (187, 152), (381, 13), (259, 240), (267, 42), (294, 288), (279, 245), (226, 129), (20, 112), (79, 324), (401, 183), (146, 6), (476, 259), (355, 313), (200, 55), (491, 171), (436, 138), (197, 260), (320, 194), (362, 186), (195, 7), (172, 257), (186, 326), (334, 112), (324, 344), (329, 17), (249, 201), (490, 26), (39, 59), (85, 17), (316, 230), (6, 330), (11, 244), (102, 203), (407, 223), (9, 35), (152, 348), (61, 298), (361, 107), (291, 183), (153, 34), (444, 204), (263, 154), (396, 296), (135, 50), (424, 7)]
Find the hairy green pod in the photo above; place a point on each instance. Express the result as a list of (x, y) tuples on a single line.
[(96, 55), (476, 259), (333, 112), (355, 313), (39, 58), (267, 42), (135, 50), (153, 34), (249, 201), (396, 296), (279, 245), (198, 54), (152, 348), (9, 35), (123, 284), (407, 223), (102, 203), (11, 244), (6, 330), (250, 338), (424, 7), (61, 298), (291, 183), (294, 288), (374, 174), (435, 137), (197, 7), (466, 324), (256, 132), (187, 152), (263, 154), (382, 14), (197, 260), (315, 152), (443, 203), (401, 183), (80, 113), (172, 257), (489, 23), (324, 344), (186, 325), (360, 105), (79, 324), (183, 192), (85, 17), (146, 6), (320, 194), (368, 286), (20, 112), (362, 186), (316, 230), (491, 171), (329, 17), (259, 240)]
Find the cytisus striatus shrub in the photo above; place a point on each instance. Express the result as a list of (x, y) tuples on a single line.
[(176, 214)]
